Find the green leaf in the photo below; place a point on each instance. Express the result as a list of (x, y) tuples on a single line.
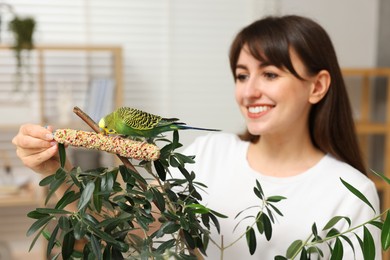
[(69, 197), (189, 239), (276, 210), (116, 254), (158, 197), (86, 195), (174, 162), (103, 235), (337, 251), (334, 221), (47, 180), (303, 254), (333, 232), (216, 222), (267, 226), (279, 257), (166, 245), (275, 198), (294, 248), (220, 215), (36, 238), (198, 208), (360, 242), (315, 250), (60, 173), (369, 245), (385, 236), (67, 245), (52, 211), (314, 230), (96, 249), (80, 230), (260, 225), (175, 140), (382, 176), (183, 158), (162, 174), (64, 224), (357, 193), (377, 224), (107, 253), (38, 224), (62, 153), (257, 193), (349, 242), (251, 240), (170, 227), (259, 188), (36, 215), (97, 198), (54, 185), (52, 241)]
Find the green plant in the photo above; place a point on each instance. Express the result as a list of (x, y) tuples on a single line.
[(23, 30), (122, 214), (334, 237)]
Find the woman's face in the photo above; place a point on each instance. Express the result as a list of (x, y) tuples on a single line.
[(272, 100)]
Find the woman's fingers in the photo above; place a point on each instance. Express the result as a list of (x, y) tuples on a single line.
[(36, 148), (33, 136), (33, 160)]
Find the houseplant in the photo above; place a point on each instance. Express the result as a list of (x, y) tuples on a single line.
[(23, 30), (110, 211)]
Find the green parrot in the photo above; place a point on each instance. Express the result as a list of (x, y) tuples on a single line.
[(136, 123)]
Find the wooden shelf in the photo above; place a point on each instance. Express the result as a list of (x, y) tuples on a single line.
[(367, 83), (19, 201)]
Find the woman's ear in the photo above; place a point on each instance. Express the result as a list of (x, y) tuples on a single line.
[(320, 86)]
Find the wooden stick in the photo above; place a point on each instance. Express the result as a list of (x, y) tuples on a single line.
[(89, 121)]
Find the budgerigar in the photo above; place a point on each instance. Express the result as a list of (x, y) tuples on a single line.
[(136, 123)]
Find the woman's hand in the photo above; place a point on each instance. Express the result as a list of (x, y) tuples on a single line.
[(37, 149)]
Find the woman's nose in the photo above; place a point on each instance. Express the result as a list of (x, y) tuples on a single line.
[(253, 88)]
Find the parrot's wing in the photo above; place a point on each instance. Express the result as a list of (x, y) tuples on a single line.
[(169, 121), (140, 120)]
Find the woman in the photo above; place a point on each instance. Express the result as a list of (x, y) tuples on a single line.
[(300, 141)]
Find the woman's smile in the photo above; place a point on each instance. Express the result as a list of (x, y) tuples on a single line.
[(257, 111)]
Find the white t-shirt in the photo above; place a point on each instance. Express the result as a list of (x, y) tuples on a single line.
[(314, 196)]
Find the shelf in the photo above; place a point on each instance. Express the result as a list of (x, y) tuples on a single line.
[(371, 90), (18, 197), (53, 68)]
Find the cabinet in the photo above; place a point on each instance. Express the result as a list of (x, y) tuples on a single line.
[(369, 89), (59, 76)]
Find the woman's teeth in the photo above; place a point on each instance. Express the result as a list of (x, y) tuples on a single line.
[(258, 109)]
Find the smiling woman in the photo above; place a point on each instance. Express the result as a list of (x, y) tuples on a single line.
[(291, 93)]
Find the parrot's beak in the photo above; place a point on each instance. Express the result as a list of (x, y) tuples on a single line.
[(102, 127)]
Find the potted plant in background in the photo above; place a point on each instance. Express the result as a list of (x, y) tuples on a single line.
[(23, 31)]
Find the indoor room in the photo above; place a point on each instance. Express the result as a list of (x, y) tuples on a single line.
[(173, 58)]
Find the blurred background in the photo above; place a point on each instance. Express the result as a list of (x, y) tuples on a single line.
[(168, 57)]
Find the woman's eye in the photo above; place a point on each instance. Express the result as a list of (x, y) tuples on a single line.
[(242, 77), (270, 75)]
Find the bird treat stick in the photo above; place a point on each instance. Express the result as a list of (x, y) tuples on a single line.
[(117, 145)]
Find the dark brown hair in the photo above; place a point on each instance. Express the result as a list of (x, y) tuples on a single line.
[(331, 124)]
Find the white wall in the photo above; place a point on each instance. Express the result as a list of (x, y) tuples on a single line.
[(175, 51), (352, 25)]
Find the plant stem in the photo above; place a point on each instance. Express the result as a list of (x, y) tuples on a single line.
[(337, 235)]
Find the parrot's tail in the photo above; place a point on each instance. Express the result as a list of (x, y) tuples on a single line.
[(185, 127)]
